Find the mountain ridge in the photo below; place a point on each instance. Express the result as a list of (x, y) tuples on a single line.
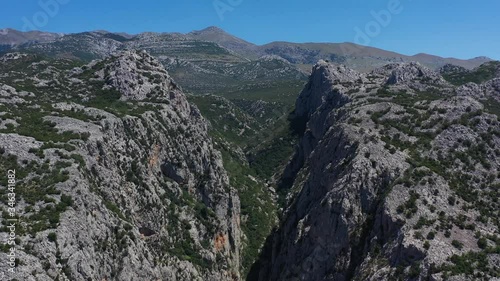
[(298, 53), (381, 188)]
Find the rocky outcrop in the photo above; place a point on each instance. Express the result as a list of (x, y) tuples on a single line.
[(412, 73), (491, 88), (450, 68), (321, 88), (137, 76), (119, 181), (386, 182), (327, 88)]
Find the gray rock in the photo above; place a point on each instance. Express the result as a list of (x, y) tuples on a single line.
[(369, 181), (127, 220)]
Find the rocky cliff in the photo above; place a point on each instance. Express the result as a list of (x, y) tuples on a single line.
[(117, 178), (395, 178)]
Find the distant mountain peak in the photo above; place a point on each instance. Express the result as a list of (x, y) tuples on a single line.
[(225, 39), (484, 58), (362, 58), (101, 31), (9, 36), (212, 29), (209, 31)]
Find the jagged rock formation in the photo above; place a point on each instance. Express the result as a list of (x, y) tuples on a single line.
[(395, 178), (117, 178), (138, 76), (412, 72), (320, 88)]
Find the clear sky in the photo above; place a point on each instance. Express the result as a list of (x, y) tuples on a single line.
[(449, 28)]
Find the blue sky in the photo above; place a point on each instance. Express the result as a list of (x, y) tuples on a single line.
[(450, 28)]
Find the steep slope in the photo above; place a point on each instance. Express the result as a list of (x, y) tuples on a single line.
[(395, 178), (117, 178), (250, 129)]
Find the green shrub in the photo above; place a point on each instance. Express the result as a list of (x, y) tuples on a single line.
[(482, 243), (52, 237), (256, 205), (422, 221), (451, 200), (409, 208), (467, 264), (414, 270), (113, 208), (457, 244)]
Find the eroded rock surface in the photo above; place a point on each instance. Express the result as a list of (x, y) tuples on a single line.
[(117, 177), (396, 176)]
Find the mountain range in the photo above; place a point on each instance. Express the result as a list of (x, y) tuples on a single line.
[(200, 156), (356, 56)]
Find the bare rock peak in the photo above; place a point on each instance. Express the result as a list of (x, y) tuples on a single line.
[(212, 29), (407, 72), (138, 76)]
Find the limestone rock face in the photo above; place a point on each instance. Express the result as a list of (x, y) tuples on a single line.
[(384, 184), (491, 88), (321, 87), (407, 72), (124, 185), (137, 76)]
